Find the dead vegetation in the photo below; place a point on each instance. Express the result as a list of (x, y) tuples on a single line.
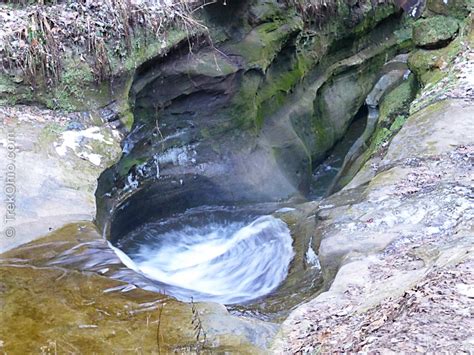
[(432, 316), (36, 38), (314, 11)]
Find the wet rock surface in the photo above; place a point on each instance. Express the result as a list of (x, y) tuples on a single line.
[(392, 250), (399, 243), (247, 125), (56, 166), (62, 293)]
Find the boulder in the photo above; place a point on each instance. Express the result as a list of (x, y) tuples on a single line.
[(457, 8), (434, 32)]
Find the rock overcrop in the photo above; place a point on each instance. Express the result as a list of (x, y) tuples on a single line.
[(434, 32), (399, 241)]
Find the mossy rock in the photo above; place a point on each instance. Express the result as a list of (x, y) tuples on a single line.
[(13, 91), (428, 64), (398, 100), (6, 86), (393, 112), (265, 11), (377, 14), (435, 32), (260, 47), (244, 106), (456, 8)]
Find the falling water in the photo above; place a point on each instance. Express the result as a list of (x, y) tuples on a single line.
[(212, 255)]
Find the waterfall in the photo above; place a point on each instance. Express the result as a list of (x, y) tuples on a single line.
[(212, 257)]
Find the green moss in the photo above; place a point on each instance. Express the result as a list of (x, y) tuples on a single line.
[(78, 90), (50, 133), (7, 86), (434, 30), (428, 65), (456, 8), (265, 11), (71, 92), (380, 137), (398, 100), (127, 119), (434, 77), (244, 108), (263, 43), (393, 112), (12, 91), (273, 92), (378, 13), (259, 98), (398, 123), (145, 48), (286, 79), (384, 134), (126, 163), (282, 77), (421, 62), (404, 34)]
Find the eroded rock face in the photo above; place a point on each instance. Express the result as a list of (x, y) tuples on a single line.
[(396, 72), (244, 123), (247, 125), (434, 32), (414, 214), (55, 166), (398, 234)]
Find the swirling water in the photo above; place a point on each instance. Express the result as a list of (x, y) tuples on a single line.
[(219, 256)]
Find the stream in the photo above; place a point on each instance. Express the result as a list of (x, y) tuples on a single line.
[(325, 172), (229, 255), (219, 254), (200, 230), (223, 171)]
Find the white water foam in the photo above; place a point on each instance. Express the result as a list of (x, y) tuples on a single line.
[(225, 262)]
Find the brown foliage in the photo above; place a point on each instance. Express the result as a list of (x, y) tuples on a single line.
[(36, 38)]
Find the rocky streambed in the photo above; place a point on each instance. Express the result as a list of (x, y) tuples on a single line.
[(328, 171)]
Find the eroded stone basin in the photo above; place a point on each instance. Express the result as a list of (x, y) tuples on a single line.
[(257, 258), (177, 234), (227, 255), (68, 281)]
